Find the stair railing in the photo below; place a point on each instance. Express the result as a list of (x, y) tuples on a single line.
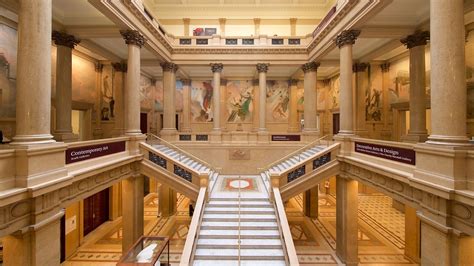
[(297, 152), (154, 139)]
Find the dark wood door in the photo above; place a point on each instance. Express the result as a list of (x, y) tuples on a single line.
[(335, 124), (96, 210), (144, 122)]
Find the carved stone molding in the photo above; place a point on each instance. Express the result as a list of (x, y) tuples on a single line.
[(169, 67), (262, 67), (217, 67), (347, 37), (416, 39), (359, 67), (310, 67), (119, 67), (133, 37), (385, 67), (64, 39)]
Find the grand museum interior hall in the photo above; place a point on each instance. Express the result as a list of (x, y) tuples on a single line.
[(236, 132)]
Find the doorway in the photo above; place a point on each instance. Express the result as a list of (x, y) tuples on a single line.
[(335, 123), (96, 210), (144, 123), (77, 121)]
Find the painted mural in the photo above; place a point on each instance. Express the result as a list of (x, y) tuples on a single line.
[(147, 90), (83, 80), (322, 96), (201, 101), (239, 99), (158, 95), (8, 51), (277, 101), (179, 96), (470, 76), (300, 95), (334, 92), (107, 102), (373, 96)]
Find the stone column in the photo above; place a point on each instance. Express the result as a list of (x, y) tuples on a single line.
[(416, 43), (118, 110), (346, 220), (293, 26), (98, 133), (186, 105), (310, 202), (448, 106), (63, 100), (186, 22), (262, 83), (216, 95), (169, 108), (222, 26), (344, 41), (256, 22), (135, 41), (33, 88), (167, 201), (132, 210), (310, 98), (360, 70), (293, 117)]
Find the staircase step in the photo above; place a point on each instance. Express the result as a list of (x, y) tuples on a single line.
[(226, 212), (228, 227), (243, 242), (205, 262), (243, 252), (235, 246), (235, 232), (236, 223), (236, 205), (236, 219), (231, 209), (242, 199), (265, 237)]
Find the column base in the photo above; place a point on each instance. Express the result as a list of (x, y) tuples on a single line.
[(65, 136), (346, 143), (169, 134), (293, 129), (414, 138), (118, 132), (449, 140), (310, 135), (362, 133), (263, 136), (216, 136), (32, 139)]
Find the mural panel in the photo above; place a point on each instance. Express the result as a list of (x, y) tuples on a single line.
[(334, 92), (470, 76), (8, 51), (107, 93), (239, 99), (277, 101), (373, 96), (300, 95), (201, 101), (83, 80), (179, 96)]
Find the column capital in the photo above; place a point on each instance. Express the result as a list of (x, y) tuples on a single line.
[(169, 67), (217, 67), (186, 82), (347, 37), (310, 67), (256, 20), (359, 67), (293, 82), (293, 20), (222, 20), (119, 67), (262, 67), (64, 39), (385, 67), (186, 20), (417, 39), (99, 67), (133, 37), (326, 82)]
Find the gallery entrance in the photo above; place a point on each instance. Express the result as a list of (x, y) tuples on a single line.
[(335, 123), (96, 210)]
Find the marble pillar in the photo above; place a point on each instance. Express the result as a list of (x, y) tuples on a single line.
[(63, 100), (361, 87), (222, 22), (416, 43), (310, 98), (346, 220), (117, 112), (293, 26), (33, 83), (448, 106), (262, 91), (98, 132), (169, 108), (344, 41), (216, 96), (167, 201), (135, 41), (186, 22), (132, 210), (186, 105), (310, 202), (293, 110), (256, 22)]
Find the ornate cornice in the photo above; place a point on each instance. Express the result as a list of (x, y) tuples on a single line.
[(239, 51), (347, 37), (359, 67), (262, 67), (310, 67), (119, 67), (385, 67), (133, 37), (169, 67), (217, 67), (64, 39), (416, 39)]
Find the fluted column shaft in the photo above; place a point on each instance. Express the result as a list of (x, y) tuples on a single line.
[(169, 88), (346, 220), (33, 92), (310, 97), (448, 106), (135, 41), (262, 84), (293, 116), (216, 95), (345, 41), (186, 106)]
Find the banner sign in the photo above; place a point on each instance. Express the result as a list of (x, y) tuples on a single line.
[(401, 155), (78, 154), (286, 138)]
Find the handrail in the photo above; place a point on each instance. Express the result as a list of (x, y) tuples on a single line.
[(193, 229), (182, 151), (285, 228), (305, 147)]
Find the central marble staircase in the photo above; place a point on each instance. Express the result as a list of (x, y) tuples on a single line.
[(296, 159)]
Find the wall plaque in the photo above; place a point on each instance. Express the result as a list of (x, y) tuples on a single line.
[(78, 154), (397, 154), (286, 138)]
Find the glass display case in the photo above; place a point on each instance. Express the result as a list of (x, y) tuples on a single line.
[(147, 251)]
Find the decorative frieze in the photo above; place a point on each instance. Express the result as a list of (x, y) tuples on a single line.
[(310, 67), (133, 37), (347, 37), (416, 39), (64, 39), (262, 67), (169, 67), (217, 67)]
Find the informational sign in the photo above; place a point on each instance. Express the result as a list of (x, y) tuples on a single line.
[(83, 153), (286, 138), (401, 155)]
